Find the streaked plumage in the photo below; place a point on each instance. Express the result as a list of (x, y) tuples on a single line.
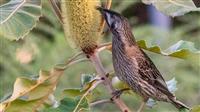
[(132, 65)]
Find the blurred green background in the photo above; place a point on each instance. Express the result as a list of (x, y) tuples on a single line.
[(46, 46)]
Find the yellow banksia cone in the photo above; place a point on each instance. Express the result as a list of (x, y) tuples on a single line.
[(82, 23)]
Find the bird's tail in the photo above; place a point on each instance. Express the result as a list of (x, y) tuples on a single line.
[(179, 105)]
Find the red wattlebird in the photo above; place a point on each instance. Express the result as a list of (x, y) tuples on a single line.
[(132, 65)]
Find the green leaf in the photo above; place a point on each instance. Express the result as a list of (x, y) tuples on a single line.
[(72, 92), (78, 96), (86, 78), (118, 84), (69, 104), (173, 7), (18, 17), (184, 110), (31, 93), (23, 106), (182, 49), (196, 108)]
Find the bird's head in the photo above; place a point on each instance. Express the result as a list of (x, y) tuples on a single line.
[(118, 25), (114, 20)]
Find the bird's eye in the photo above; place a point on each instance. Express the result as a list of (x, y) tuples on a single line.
[(113, 25)]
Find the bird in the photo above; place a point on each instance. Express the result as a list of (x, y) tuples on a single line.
[(133, 66)]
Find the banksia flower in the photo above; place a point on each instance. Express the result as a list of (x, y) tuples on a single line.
[(81, 23)]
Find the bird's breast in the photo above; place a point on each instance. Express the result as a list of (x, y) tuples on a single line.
[(121, 63)]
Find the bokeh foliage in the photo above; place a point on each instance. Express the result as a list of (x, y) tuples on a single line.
[(47, 47)]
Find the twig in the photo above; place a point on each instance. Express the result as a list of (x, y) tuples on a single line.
[(100, 70), (56, 10), (104, 46), (100, 102), (74, 57), (66, 65), (71, 61), (96, 82)]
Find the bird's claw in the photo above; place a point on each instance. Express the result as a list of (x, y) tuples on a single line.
[(117, 93)]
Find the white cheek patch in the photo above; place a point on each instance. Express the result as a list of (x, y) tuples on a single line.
[(110, 20)]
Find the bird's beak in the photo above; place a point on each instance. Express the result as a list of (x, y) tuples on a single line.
[(107, 15)]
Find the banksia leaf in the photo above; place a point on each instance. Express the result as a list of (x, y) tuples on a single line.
[(18, 18), (173, 7), (81, 23), (30, 94)]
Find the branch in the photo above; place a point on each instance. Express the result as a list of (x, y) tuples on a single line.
[(74, 57), (100, 102), (96, 82), (56, 10), (104, 46), (100, 70), (71, 61), (65, 66)]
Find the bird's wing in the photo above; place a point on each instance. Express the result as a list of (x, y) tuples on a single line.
[(150, 73), (145, 68)]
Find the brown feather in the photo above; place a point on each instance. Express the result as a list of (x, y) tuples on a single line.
[(132, 65)]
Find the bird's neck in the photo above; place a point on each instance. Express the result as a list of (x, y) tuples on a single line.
[(124, 38)]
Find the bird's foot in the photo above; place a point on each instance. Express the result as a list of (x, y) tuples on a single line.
[(117, 93)]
